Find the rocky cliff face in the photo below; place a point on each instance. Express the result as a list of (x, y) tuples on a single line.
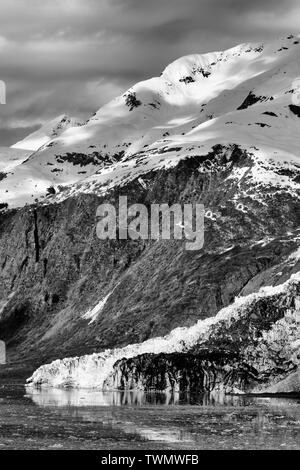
[(54, 269)]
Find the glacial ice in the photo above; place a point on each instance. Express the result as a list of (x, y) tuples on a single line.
[(91, 371)]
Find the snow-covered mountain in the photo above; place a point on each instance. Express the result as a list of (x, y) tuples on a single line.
[(221, 129), (247, 95), (22, 180)]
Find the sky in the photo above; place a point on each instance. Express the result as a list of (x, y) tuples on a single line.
[(72, 56)]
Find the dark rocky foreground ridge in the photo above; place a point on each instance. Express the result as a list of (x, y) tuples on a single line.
[(54, 269)]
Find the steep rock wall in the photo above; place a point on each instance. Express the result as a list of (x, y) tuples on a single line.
[(54, 269)]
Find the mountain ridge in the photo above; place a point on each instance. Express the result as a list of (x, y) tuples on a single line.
[(209, 107)]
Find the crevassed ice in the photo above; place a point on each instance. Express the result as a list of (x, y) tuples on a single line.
[(91, 371)]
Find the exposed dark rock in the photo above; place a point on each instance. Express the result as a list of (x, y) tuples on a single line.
[(252, 99), (3, 206), (132, 101), (204, 372), (295, 109), (82, 159), (270, 113), (36, 237), (187, 80)]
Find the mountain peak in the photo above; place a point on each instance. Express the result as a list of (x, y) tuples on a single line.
[(48, 131)]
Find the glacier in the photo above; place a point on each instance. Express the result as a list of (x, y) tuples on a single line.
[(94, 371)]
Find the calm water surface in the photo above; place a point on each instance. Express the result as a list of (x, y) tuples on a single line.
[(87, 419)]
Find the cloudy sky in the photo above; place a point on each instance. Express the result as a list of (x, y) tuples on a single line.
[(72, 56)]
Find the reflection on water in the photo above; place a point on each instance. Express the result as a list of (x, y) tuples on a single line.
[(32, 418), (206, 422), (59, 397), (87, 397)]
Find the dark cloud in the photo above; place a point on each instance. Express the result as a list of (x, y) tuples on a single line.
[(72, 56), (9, 136)]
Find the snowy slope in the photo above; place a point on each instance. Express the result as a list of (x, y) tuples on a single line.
[(46, 133), (10, 158), (246, 95)]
